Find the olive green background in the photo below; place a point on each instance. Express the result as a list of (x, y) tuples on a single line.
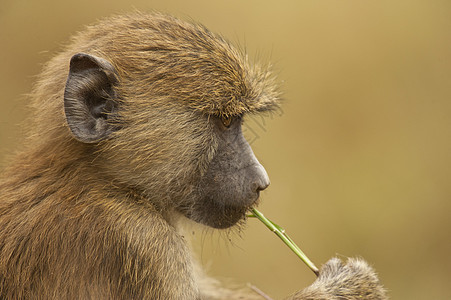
[(359, 156)]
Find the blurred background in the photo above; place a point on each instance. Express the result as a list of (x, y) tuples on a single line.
[(359, 156)]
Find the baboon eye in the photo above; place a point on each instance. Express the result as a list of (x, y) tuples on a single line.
[(226, 121)]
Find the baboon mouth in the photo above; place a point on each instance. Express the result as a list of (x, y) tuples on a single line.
[(255, 203), (226, 215)]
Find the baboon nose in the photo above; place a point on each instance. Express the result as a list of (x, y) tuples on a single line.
[(262, 180)]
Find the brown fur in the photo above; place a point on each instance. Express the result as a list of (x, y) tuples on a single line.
[(354, 280), (74, 220), (98, 220)]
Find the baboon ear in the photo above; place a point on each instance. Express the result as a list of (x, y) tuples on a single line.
[(89, 97)]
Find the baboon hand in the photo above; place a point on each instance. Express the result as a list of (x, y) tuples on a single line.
[(355, 279)]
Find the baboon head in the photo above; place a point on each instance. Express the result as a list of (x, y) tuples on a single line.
[(160, 104)]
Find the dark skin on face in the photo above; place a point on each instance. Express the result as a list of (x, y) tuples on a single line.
[(234, 178)]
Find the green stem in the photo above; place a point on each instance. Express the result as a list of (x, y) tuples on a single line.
[(280, 232)]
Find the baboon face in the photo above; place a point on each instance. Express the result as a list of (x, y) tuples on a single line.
[(165, 117), (233, 180)]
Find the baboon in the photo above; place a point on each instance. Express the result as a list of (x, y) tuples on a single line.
[(137, 128)]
